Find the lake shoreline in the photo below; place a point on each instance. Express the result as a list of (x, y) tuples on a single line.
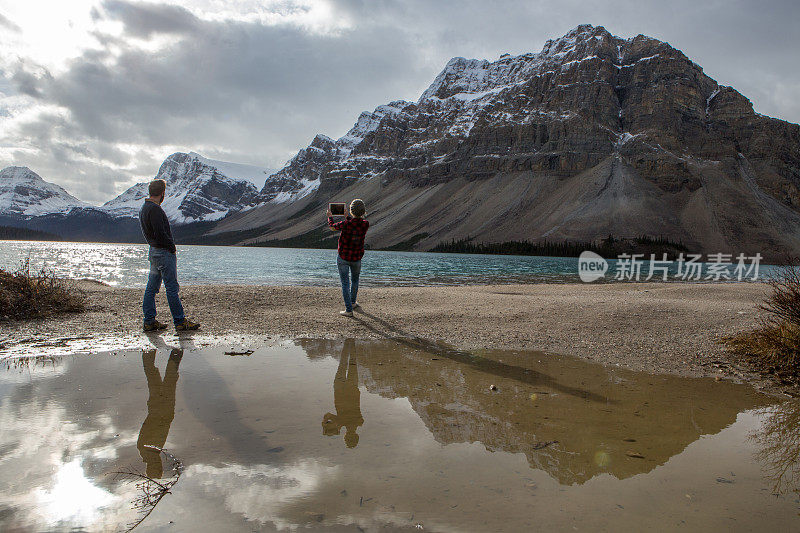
[(672, 328)]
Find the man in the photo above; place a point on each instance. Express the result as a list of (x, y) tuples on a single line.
[(163, 262), (351, 250)]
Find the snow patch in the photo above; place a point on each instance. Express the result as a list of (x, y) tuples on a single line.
[(237, 171), (648, 58), (469, 97), (710, 98), (576, 61), (307, 187), (624, 138)]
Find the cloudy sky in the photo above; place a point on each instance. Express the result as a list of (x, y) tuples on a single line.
[(94, 94)]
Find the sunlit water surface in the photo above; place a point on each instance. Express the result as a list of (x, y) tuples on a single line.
[(385, 435), (126, 265)]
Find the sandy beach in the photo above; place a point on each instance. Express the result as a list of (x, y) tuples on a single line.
[(665, 328)]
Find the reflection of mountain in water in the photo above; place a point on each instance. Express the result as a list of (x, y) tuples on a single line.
[(571, 418)]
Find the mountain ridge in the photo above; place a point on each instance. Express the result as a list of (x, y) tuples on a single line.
[(186, 175), (594, 135), (198, 194)]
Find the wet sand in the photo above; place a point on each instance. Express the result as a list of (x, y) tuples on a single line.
[(656, 327)]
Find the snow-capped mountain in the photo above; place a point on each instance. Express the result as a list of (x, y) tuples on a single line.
[(198, 189), (301, 175), (457, 97), (594, 135), (23, 193)]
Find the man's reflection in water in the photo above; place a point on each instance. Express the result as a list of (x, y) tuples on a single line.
[(160, 409), (346, 398)]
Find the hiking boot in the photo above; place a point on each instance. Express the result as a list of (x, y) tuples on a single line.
[(155, 325), (346, 313), (356, 306), (187, 325)]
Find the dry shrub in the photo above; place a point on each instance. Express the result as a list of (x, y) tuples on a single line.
[(25, 294), (775, 346), (778, 441)]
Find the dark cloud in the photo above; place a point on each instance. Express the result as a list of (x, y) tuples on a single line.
[(26, 83), (83, 166), (265, 90), (256, 93), (146, 19), (9, 25), (29, 79)]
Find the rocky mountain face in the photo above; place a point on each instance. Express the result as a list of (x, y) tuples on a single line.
[(593, 135), (23, 193), (196, 191)]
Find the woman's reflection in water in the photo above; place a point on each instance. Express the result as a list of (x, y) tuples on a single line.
[(160, 409), (346, 398)]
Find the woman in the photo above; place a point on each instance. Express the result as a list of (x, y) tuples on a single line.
[(351, 250)]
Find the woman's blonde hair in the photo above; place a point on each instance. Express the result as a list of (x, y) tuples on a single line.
[(357, 208)]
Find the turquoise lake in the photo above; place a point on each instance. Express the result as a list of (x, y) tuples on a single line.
[(125, 265)]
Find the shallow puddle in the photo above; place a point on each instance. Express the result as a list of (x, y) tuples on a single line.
[(392, 435)]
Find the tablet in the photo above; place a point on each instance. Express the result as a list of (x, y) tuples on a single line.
[(337, 209)]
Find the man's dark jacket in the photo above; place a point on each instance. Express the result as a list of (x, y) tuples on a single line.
[(155, 226)]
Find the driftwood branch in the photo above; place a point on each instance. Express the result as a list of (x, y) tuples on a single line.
[(152, 491)]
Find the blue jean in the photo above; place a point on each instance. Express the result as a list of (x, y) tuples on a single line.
[(346, 270), (163, 267)]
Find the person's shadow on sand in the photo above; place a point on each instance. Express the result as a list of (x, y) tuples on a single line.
[(160, 409), (528, 376), (346, 398)]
